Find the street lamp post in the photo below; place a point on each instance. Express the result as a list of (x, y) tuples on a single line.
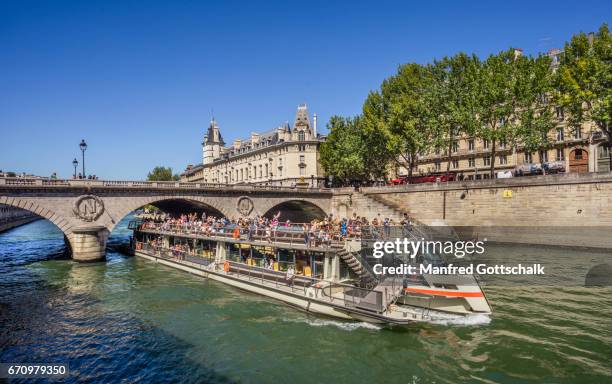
[(83, 147), (75, 163)]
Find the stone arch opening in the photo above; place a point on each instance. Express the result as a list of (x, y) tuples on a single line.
[(38, 212), (298, 211), (174, 206), (178, 206), (17, 213)]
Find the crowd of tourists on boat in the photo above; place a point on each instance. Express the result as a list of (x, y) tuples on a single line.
[(318, 232)]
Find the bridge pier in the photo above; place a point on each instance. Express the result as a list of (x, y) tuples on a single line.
[(88, 243)]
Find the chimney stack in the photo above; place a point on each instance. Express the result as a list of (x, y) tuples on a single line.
[(314, 125), (254, 137), (518, 52)]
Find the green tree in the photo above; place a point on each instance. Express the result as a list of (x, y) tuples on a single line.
[(160, 173), (342, 154), (534, 113), (584, 81), (378, 150), (498, 99), (405, 114), (452, 98)]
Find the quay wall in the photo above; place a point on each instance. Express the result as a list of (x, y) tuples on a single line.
[(11, 217), (567, 210)]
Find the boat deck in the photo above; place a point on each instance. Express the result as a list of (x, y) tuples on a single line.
[(365, 304), (296, 241)]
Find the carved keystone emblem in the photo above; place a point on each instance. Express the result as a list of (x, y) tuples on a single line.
[(244, 206), (88, 207)]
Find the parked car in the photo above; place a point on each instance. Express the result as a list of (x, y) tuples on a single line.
[(420, 179)]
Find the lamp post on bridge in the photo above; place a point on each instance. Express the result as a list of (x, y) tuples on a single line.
[(75, 163), (83, 147)]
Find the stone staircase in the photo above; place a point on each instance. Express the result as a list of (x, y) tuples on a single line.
[(392, 209), (373, 204), (354, 262)]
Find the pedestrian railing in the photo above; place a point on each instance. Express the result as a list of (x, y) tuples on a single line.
[(338, 293), (295, 234), (34, 181)]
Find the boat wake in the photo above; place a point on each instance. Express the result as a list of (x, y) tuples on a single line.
[(448, 319), (344, 325)]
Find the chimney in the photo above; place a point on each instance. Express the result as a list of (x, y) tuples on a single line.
[(517, 53), (314, 125), (237, 144), (254, 137)]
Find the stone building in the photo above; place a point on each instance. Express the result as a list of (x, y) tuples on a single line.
[(573, 150), (284, 156)]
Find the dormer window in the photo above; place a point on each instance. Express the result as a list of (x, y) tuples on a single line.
[(301, 136)]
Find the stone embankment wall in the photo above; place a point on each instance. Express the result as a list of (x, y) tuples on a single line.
[(11, 217), (568, 210)]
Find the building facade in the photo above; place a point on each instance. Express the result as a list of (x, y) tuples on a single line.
[(570, 149), (285, 156)]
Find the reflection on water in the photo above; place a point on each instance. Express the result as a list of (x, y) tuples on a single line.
[(135, 320)]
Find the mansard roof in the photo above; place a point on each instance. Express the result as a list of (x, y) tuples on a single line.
[(209, 137)]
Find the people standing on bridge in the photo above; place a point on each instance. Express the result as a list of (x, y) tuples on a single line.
[(387, 228), (343, 229), (306, 232)]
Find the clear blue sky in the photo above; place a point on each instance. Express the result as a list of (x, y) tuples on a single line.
[(138, 80)]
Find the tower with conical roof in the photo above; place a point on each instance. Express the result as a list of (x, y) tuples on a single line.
[(212, 144), (302, 130)]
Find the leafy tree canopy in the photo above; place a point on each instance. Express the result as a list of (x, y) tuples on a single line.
[(160, 173)]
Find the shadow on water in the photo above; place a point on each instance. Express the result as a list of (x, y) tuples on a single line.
[(50, 313)]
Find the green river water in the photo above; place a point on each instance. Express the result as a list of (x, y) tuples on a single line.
[(133, 320)]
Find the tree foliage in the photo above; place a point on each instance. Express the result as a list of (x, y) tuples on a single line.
[(534, 114), (160, 173), (505, 98), (584, 80), (343, 153), (405, 118), (452, 100)]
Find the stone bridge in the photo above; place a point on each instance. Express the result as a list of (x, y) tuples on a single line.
[(86, 211)]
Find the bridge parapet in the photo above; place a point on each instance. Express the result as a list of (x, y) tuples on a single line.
[(22, 181), (88, 210)]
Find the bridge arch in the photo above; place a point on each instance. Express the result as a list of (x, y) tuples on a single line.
[(43, 211), (84, 243), (297, 210), (173, 205)]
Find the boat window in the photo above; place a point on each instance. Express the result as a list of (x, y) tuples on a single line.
[(286, 258), (236, 253)]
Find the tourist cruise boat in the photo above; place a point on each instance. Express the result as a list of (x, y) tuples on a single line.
[(333, 279)]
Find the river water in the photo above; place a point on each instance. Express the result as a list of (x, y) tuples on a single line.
[(131, 320)]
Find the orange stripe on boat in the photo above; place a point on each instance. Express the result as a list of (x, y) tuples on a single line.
[(444, 293)]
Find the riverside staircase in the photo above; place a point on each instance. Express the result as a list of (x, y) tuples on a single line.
[(373, 202)]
